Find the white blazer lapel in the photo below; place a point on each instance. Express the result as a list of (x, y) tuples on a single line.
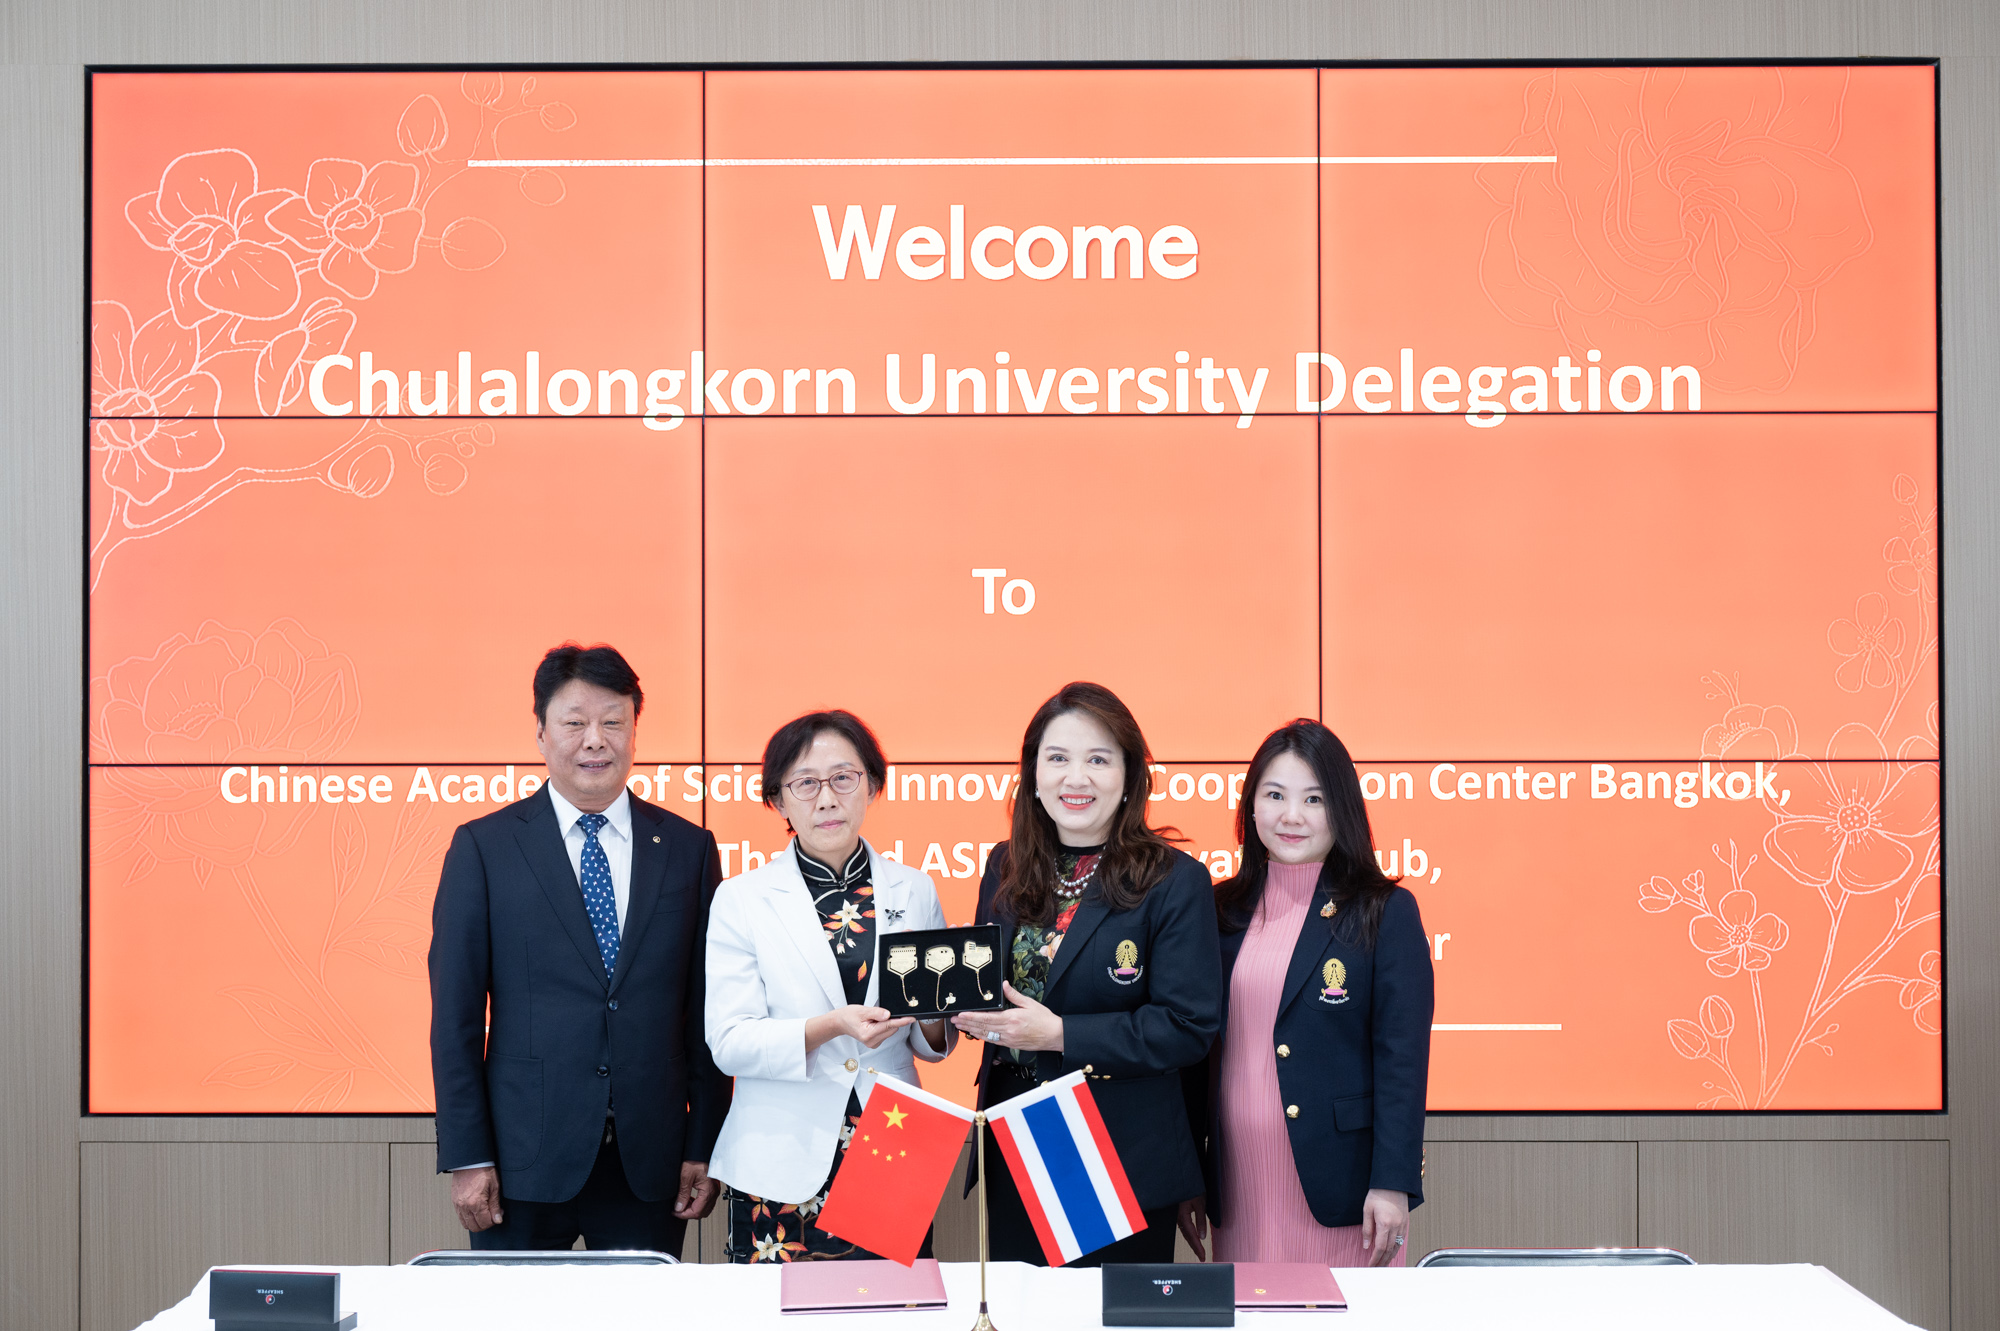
[(791, 902)]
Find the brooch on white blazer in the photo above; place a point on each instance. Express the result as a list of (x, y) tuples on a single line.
[(1335, 975), (893, 914)]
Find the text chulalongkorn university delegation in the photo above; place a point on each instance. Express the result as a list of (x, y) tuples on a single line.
[(1179, 382), (342, 385)]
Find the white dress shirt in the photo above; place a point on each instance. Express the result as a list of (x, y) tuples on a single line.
[(615, 836)]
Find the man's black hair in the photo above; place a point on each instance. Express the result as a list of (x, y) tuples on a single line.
[(601, 665)]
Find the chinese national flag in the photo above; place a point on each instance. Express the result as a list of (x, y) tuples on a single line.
[(895, 1170)]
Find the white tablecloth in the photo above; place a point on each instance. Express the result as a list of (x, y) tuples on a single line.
[(1026, 1298)]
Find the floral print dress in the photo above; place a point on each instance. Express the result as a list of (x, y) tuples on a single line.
[(1035, 944), (767, 1231)]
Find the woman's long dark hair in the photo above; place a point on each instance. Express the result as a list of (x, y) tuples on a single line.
[(1135, 856), (1360, 889)]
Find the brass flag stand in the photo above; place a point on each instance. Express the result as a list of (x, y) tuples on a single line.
[(984, 1323)]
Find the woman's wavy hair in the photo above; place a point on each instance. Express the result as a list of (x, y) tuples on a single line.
[(1359, 887), (1135, 856)]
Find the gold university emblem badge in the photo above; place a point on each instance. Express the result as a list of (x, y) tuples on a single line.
[(1334, 973)]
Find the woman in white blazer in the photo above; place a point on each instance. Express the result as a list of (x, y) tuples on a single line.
[(792, 985)]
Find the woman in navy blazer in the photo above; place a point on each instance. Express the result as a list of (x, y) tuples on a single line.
[(1313, 1099), (1111, 966)]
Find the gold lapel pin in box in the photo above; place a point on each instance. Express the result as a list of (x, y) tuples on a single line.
[(938, 960), (903, 964), (977, 957)]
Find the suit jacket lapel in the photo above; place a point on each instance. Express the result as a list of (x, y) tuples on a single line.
[(541, 842), (792, 901), (649, 869), (1314, 937), (1090, 912)]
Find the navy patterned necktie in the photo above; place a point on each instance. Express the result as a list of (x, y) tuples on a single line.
[(598, 897)]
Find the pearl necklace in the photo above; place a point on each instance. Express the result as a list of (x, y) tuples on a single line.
[(1070, 887)]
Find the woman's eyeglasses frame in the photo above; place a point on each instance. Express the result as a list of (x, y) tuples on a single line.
[(805, 789)]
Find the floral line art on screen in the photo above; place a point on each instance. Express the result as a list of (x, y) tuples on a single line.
[(262, 281), (285, 693), (1864, 841), (1665, 214)]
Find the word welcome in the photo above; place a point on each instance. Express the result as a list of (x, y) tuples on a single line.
[(924, 253)]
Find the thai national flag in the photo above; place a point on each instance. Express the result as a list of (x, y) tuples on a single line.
[(1068, 1173)]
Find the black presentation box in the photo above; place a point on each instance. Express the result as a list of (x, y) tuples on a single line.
[(937, 972), (1169, 1294), (276, 1301)]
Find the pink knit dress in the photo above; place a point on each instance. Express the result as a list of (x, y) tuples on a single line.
[(1269, 1220)]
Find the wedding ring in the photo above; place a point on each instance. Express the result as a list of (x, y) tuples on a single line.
[(1401, 1239)]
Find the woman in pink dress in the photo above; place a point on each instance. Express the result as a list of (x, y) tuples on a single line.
[(1314, 1111)]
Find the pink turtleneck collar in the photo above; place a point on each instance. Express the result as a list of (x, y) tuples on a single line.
[(1291, 883)]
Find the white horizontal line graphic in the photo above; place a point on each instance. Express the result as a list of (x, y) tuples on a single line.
[(1496, 1026), (531, 162)]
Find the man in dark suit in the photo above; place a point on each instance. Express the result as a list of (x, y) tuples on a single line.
[(590, 1104)]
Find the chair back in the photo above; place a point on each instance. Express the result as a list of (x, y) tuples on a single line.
[(553, 1257), (1555, 1257)]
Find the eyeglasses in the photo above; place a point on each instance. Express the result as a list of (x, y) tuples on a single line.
[(844, 782)]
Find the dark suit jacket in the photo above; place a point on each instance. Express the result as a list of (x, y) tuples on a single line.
[(532, 1094), (1133, 1034), (1357, 1068)]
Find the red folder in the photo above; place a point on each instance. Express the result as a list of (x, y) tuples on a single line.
[(1281, 1287), (851, 1287)]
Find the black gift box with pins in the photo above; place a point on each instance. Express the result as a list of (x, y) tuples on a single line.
[(936, 972)]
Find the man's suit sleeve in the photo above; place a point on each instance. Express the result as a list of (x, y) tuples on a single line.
[(461, 968), (708, 1089)]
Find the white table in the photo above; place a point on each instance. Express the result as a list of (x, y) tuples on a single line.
[(1026, 1298)]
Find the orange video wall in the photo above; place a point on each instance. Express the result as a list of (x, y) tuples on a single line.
[(1565, 438)]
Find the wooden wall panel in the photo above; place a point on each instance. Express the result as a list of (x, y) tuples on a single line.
[(1528, 1195), (706, 1238), (1970, 494), (41, 625), (420, 1214), (1876, 1214), (1533, 1194), (155, 1216), (409, 1129), (421, 1218), (955, 1229)]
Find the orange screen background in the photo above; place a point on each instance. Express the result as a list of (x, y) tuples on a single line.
[(1645, 699)]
